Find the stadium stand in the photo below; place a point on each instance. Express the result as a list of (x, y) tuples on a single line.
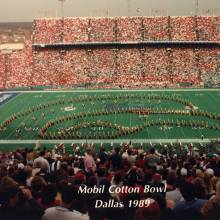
[(48, 31), (134, 52), (2, 70), (208, 28), (184, 66), (102, 30), (183, 29), (133, 33), (75, 30), (156, 28), (156, 72)]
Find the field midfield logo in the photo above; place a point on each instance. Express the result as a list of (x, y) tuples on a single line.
[(69, 108)]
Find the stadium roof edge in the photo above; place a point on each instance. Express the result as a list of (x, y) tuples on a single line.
[(98, 17)]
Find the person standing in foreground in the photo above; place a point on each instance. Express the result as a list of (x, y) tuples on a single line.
[(64, 211), (89, 162), (190, 208)]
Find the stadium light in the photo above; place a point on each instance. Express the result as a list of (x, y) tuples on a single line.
[(62, 7), (129, 7), (196, 7)]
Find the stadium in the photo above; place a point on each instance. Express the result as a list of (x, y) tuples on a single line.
[(111, 66), (104, 104)]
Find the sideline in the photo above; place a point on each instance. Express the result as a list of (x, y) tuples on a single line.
[(111, 141), (113, 90)]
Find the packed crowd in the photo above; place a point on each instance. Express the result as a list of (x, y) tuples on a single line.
[(148, 67), (106, 67), (210, 63), (156, 28), (183, 28), (209, 28), (110, 29), (129, 29), (75, 30), (102, 30), (47, 68), (2, 70), (156, 68), (56, 184), (16, 68), (19, 68), (185, 68), (48, 30), (160, 67)]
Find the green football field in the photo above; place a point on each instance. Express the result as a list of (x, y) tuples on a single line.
[(111, 115)]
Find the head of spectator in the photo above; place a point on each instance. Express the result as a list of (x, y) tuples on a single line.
[(20, 177), (37, 185), (10, 195), (171, 181), (79, 178), (183, 172), (117, 150), (200, 188), (188, 191), (152, 150), (152, 212), (49, 194), (89, 151), (218, 189), (68, 194), (106, 183), (117, 178), (157, 178), (92, 181)]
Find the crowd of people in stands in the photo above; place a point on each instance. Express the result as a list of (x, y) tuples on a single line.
[(208, 28), (102, 30), (48, 31), (156, 29), (185, 66), (107, 67), (16, 67), (46, 184), (122, 29), (183, 28), (2, 70), (131, 68)]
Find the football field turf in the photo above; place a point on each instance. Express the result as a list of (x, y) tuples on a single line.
[(106, 115)]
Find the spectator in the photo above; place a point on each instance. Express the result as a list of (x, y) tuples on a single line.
[(211, 209), (89, 163), (64, 211), (18, 203), (41, 162), (116, 159), (152, 212), (151, 159), (190, 208)]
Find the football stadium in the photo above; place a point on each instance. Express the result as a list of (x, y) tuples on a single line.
[(110, 68), (111, 117)]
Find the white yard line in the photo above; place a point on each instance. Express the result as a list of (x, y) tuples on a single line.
[(113, 90), (147, 141)]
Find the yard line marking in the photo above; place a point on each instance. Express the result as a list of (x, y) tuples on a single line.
[(114, 141), (113, 90)]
